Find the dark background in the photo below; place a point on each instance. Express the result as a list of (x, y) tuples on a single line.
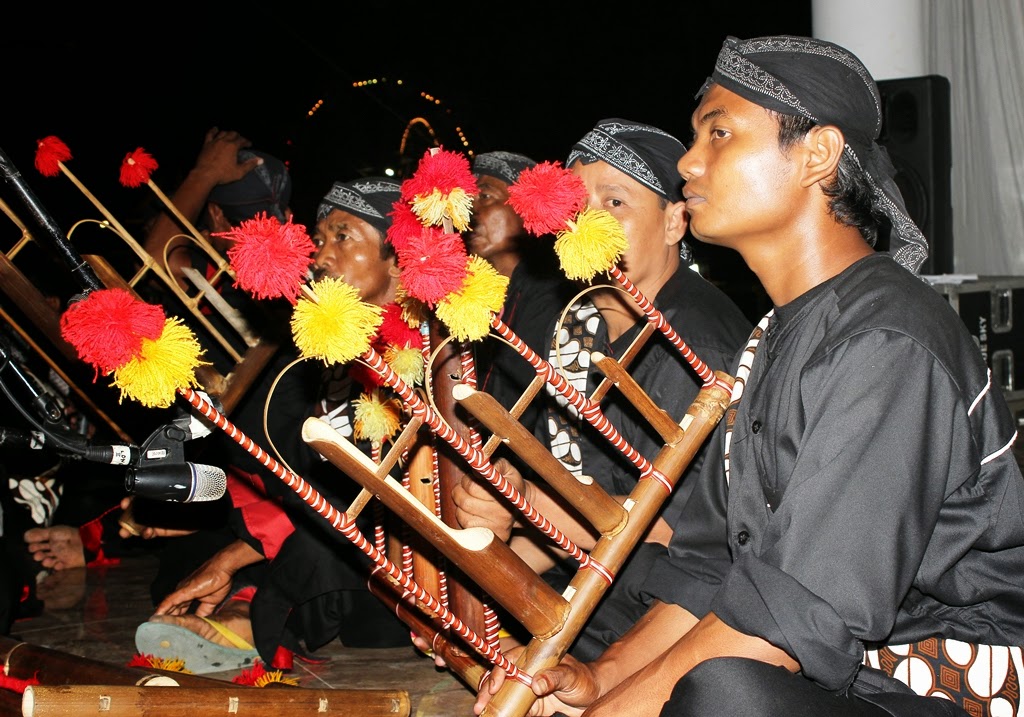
[(530, 77)]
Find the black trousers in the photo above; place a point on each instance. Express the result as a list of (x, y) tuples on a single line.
[(738, 687)]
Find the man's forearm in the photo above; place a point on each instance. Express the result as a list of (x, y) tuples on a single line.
[(657, 631), (238, 555)]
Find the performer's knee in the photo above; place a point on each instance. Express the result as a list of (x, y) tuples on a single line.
[(723, 686)]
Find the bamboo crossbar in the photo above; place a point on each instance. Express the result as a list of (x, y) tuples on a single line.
[(586, 496)]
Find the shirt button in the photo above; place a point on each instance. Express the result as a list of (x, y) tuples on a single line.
[(755, 426), (743, 537)]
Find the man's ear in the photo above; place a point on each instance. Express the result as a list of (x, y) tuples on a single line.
[(218, 222), (824, 148), (393, 271), (678, 221)]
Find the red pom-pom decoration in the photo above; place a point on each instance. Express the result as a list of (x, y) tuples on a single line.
[(432, 265), (137, 168), (442, 172), (50, 152), (405, 223), (107, 327), (270, 259), (364, 375), (394, 330), (546, 196)]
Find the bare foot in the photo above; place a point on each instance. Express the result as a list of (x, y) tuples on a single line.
[(234, 615), (62, 590), (58, 547)]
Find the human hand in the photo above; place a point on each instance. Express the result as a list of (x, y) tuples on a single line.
[(425, 647), (568, 688), (210, 585), (129, 528), (478, 506), (218, 159)]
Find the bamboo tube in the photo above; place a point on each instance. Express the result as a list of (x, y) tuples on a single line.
[(463, 599), (515, 698), (489, 562), (425, 567), (226, 699)]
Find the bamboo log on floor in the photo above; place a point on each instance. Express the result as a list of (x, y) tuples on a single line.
[(226, 699), (53, 667)]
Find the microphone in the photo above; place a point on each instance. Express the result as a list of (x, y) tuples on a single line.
[(177, 482), (161, 472)]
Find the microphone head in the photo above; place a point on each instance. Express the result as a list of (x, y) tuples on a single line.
[(209, 483)]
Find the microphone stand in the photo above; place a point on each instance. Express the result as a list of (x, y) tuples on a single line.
[(52, 237)]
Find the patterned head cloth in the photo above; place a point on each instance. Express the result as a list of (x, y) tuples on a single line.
[(267, 188), (505, 166), (829, 85), (371, 199), (647, 154)]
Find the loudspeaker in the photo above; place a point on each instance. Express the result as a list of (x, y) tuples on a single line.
[(916, 132)]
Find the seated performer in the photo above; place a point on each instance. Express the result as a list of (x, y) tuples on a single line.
[(536, 284), (861, 524), (312, 585), (628, 169)]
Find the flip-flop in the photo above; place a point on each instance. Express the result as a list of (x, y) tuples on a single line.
[(201, 656)]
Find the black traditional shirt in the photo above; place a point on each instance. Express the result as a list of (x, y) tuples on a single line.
[(873, 495)]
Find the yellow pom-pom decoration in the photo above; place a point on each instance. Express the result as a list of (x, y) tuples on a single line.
[(407, 363), (594, 243), (376, 420), (432, 208), (338, 326), (414, 311), (170, 664), (275, 676), (163, 367), (467, 312)]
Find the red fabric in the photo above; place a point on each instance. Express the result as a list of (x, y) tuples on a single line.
[(264, 517), (15, 685), (284, 659), (91, 534), (246, 594)]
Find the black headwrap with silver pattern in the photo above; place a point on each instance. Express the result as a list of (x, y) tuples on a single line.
[(505, 166), (825, 83), (266, 188), (372, 199), (647, 154)]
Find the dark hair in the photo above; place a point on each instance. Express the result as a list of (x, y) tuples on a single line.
[(849, 190), (387, 249)]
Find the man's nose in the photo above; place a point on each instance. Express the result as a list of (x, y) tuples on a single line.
[(688, 165)]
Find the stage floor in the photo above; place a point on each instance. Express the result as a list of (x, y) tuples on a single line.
[(93, 613)]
